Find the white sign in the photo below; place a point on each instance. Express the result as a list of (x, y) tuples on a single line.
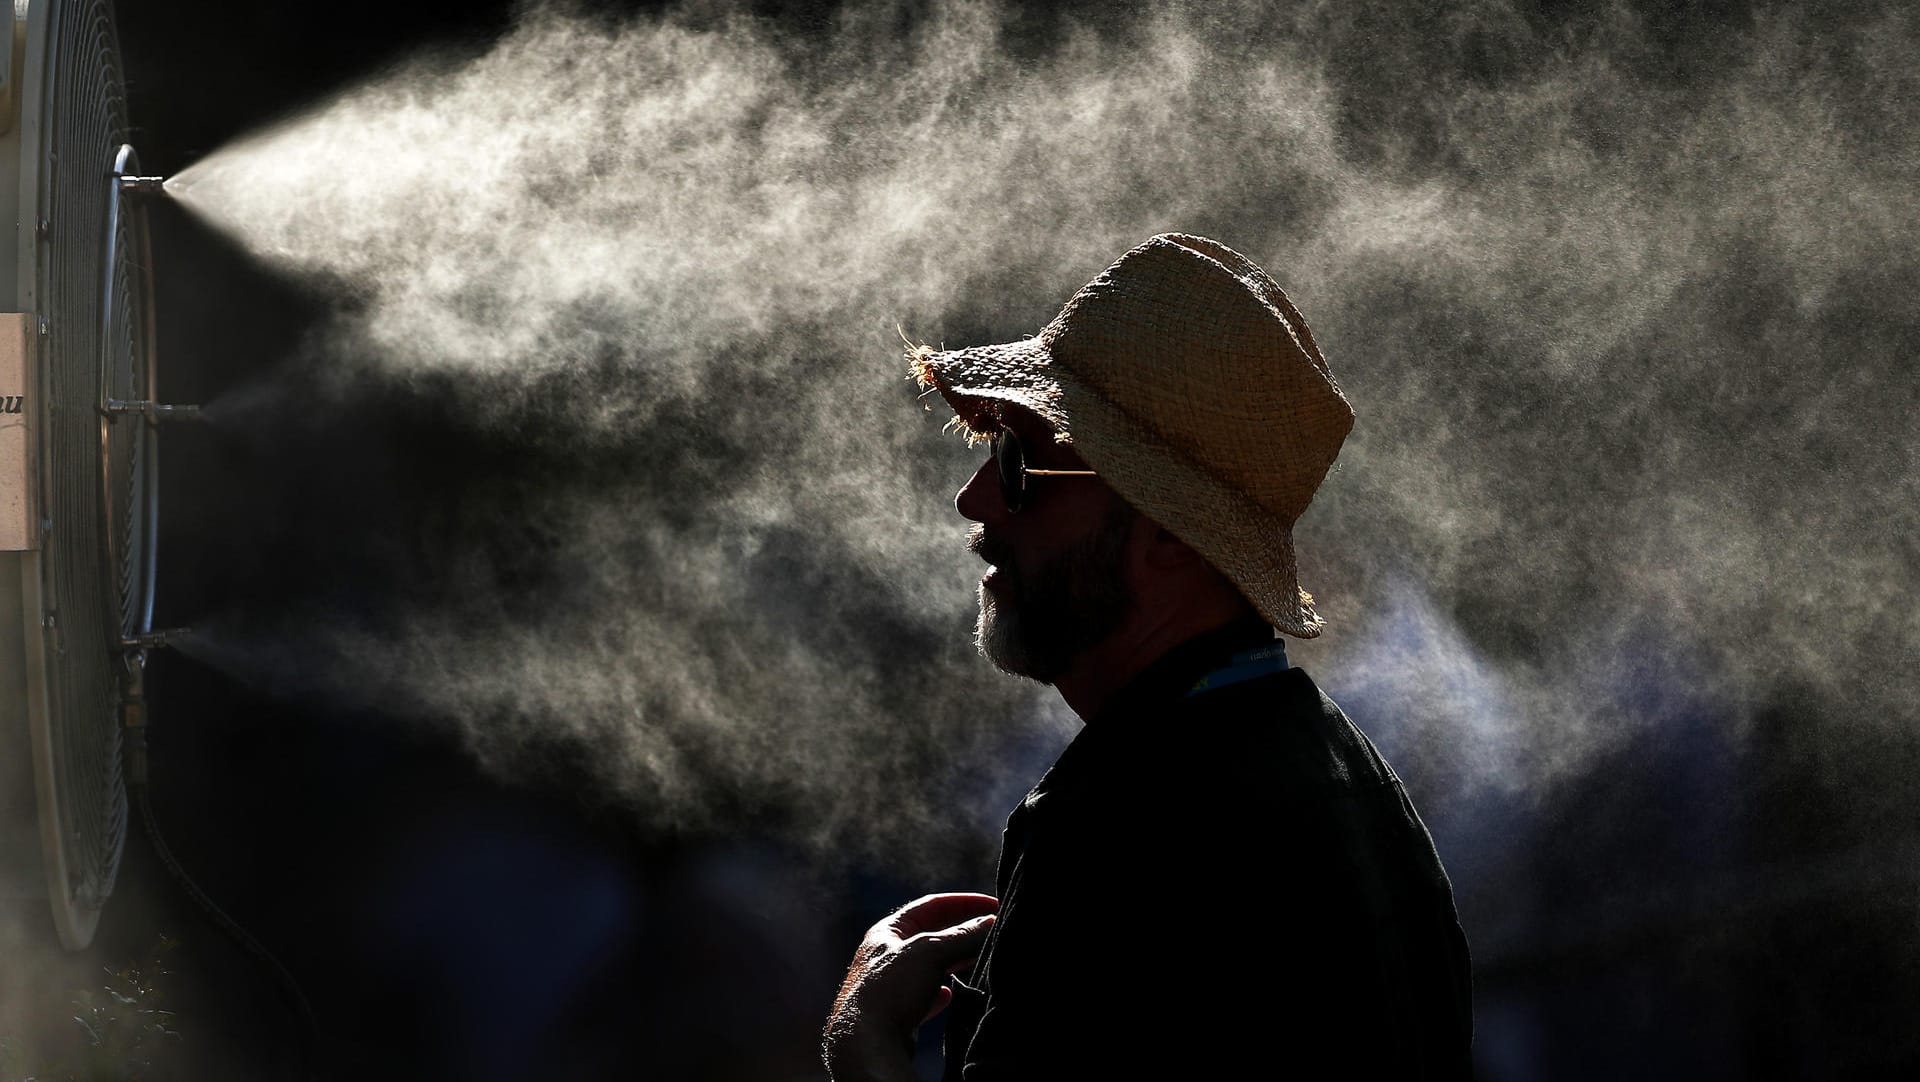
[(16, 424)]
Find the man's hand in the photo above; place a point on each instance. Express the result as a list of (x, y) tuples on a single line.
[(897, 981)]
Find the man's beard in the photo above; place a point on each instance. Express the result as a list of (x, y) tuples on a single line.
[(1072, 603)]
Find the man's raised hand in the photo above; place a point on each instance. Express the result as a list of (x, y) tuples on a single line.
[(897, 981)]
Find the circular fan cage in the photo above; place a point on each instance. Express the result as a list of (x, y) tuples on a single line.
[(91, 318)]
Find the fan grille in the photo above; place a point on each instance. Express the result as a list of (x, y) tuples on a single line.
[(91, 574)]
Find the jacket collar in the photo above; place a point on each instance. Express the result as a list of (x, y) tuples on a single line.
[(1178, 669)]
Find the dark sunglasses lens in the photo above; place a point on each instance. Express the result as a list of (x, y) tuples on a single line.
[(1013, 469)]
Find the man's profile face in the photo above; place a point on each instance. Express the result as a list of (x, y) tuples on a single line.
[(1058, 580)]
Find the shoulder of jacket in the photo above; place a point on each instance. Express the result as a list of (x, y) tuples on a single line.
[(1286, 731)]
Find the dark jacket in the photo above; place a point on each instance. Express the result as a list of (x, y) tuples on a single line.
[(1224, 884)]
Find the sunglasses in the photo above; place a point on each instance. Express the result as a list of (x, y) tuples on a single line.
[(1011, 458)]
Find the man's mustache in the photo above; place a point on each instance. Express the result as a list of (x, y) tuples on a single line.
[(989, 547)]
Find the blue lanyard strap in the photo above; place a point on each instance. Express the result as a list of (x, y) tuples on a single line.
[(1246, 665)]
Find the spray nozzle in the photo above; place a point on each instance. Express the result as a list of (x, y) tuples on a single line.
[(154, 640), (143, 185), (155, 412)]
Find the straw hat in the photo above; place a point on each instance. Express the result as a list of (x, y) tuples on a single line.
[(1189, 382)]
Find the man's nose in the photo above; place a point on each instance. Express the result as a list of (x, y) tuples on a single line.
[(980, 499)]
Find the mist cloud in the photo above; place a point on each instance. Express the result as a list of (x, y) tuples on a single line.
[(1624, 308)]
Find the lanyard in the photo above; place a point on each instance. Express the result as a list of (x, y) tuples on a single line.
[(1246, 665)]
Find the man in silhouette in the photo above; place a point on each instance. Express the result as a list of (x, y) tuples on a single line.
[(1220, 876)]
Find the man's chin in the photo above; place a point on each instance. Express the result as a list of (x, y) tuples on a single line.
[(998, 635)]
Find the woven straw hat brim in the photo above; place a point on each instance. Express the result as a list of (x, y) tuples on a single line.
[(974, 380), (1250, 545)]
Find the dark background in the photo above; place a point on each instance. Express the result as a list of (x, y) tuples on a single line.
[(1690, 908)]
